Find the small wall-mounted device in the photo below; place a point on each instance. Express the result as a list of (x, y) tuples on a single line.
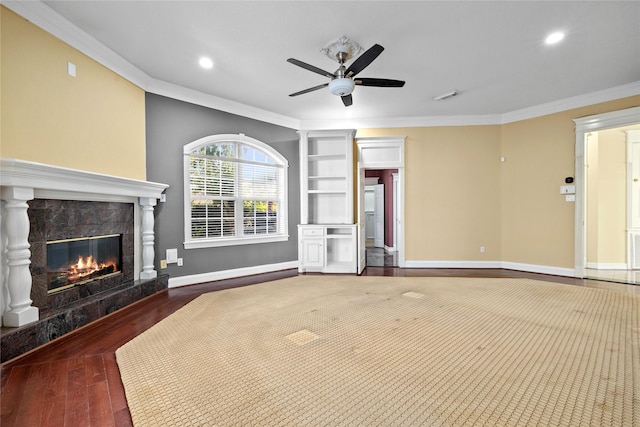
[(172, 256), (568, 180)]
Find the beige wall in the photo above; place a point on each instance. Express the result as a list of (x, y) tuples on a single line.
[(93, 122), (452, 192), (608, 216), (537, 222), (459, 196)]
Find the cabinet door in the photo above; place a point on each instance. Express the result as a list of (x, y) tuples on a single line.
[(313, 253)]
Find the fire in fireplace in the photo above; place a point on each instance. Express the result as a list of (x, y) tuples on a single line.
[(72, 262)]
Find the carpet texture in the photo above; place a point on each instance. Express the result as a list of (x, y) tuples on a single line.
[(390, 351)]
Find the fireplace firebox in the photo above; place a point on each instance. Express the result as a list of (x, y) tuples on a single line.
[(72, 262)]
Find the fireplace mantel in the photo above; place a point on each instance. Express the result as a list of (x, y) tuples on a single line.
[(47, 180), (21, 181)]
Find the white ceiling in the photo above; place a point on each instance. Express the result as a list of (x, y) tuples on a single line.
[(492, 52)]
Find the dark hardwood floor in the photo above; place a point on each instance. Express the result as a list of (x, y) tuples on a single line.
[(75, 381)]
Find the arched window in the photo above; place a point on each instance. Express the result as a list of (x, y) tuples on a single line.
[(235, 192)]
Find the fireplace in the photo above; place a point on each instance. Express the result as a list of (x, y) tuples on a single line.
[(79, 249), (72, 262), (54, 223)]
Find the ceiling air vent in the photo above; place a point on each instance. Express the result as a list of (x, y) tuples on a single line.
[(446, 95)]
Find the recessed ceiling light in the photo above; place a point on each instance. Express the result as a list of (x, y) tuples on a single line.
[(554, 38), (206, 63)]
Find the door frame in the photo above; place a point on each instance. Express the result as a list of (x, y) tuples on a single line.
[(583, 126), (378, 216), (383, 153)]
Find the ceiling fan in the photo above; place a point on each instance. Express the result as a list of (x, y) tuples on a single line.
[(342, 80)]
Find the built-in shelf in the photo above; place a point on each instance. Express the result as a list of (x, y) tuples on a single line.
[(327, 235)]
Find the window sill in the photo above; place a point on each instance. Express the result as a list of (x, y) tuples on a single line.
[(199, 244)]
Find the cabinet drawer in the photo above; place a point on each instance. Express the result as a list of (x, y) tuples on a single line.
[(313, 231)]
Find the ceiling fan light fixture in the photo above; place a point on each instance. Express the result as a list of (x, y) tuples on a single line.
[(341, 86)]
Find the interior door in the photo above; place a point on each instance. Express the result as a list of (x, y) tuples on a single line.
[(362, 236), (378, 238)]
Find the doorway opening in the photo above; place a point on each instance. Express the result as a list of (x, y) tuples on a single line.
[(607, 245), (380, 209), (382, 159)]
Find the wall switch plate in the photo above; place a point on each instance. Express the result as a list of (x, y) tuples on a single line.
[(567, 189), (172, 256), (71, 69), (163, 263), (163, 198), (570, 197)]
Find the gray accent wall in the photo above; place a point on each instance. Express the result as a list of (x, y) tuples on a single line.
[(171, 124)]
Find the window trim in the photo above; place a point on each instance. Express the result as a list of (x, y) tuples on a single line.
[(189, 242)]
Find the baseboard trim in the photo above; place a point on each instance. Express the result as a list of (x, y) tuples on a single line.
[(193, 279), (532, 268), (544, 269), (452, 264), (606, 266)]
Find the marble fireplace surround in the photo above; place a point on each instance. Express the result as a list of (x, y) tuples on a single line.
[(23, 181)]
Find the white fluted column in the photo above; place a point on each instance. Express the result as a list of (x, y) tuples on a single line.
[(148, 238), (15, 223)]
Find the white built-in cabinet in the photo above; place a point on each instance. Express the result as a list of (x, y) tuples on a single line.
[(327, 235)]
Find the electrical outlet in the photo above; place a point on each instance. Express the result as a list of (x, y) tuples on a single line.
[(482, 249), (163, 263), (180, 262)]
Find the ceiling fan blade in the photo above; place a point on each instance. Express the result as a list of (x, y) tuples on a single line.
[(379, 82), (347, 100), (310, 67), (364, 60), (311, 89)]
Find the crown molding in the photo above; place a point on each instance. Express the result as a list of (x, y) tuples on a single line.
[(605, 95), (181, 93), (46, 18), (402, 122)]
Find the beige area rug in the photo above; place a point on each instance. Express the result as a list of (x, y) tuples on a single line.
[(386, 351)]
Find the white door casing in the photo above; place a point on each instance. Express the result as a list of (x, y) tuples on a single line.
[(362, 244), (378, 215)]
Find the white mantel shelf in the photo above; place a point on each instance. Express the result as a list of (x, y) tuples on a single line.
[(42, 178), (21, 181)]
